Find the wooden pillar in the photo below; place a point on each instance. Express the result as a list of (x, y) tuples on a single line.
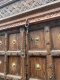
[(50, 75), (22, 34), (27, 48), (5, 56)]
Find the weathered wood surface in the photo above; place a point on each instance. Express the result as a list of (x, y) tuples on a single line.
[(31, 51)]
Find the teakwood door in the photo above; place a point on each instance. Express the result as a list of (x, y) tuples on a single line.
[(31, 53), (37, 55), (43, 55)]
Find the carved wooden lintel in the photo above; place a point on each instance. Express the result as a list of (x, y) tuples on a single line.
[(33, 18)]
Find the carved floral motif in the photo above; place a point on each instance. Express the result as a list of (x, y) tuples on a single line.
[(21, 6)]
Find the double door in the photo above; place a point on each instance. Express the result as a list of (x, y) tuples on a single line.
[(30, 56)]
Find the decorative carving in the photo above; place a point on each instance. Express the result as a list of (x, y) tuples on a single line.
[(36, 18), (21, 6), (50, 14), (3, 2)]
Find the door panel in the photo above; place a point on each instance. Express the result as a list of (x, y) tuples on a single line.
[(14, 41), (57, 67), (55, 33), (1, 64), (37, 40), (14, 65), (2, 43), (37, 67)]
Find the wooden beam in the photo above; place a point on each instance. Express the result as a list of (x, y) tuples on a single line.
[(55, 52), (33, 18), (27, 48), (13, 53), (37, 53), (5, 57), (22, 34), (50, 73), (2, 52), (13, 77)]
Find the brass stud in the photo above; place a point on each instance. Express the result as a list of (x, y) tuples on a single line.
[(14, 42), (38, 66), (36, 40), (13, 65)]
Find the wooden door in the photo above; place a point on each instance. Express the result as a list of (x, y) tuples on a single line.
[(13, 56), (57, 67), (37, 68), (37, 64)]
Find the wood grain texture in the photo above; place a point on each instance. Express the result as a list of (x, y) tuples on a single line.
[(27, 54), (38, 73), (37, 40), (2, 43), (14, 42), (55, 33), (57, 67), (14, 65), (2, 64)]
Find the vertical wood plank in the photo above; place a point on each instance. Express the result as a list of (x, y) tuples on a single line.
[(27, 48), (50, 75), (5, 60), (22, 34), (47, 39)]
